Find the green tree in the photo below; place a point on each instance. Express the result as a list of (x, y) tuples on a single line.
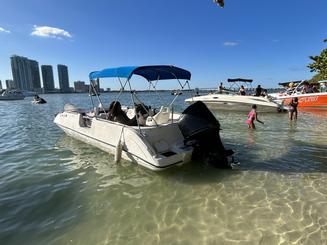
[(319, 65)]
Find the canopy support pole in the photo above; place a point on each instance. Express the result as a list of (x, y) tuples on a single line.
[(132, 95), (97, 95)]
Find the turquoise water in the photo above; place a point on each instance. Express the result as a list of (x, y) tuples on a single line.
[(56, 190)]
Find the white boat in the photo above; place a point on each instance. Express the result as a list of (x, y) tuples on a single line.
[(11, 95), (230, 100), (155, 139)]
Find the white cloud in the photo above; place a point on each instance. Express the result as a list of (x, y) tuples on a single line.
[(47, 31), (230, 44), (4, 30)]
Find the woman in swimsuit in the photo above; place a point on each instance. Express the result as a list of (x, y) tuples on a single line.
[(293, 109), (253, 116)]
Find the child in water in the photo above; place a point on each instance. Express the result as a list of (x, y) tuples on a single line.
[(293, 109), (253, 116)]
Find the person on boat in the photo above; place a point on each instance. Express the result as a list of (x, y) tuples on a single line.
[(258, 90), (322, 87), (264, 93), (306, 88), (314, 89), (116, 114), (252, 116), (293, 109), (221, 88), (242, 90)]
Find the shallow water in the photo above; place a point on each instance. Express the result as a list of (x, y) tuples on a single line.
[(56, 190)]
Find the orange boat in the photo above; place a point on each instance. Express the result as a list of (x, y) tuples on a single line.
[(308, 94)]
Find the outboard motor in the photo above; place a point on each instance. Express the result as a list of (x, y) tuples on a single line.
[(200, 129)]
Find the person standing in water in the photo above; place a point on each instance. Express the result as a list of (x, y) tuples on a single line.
[(293, 109), (252, 116)]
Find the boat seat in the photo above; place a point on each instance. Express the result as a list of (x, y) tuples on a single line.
[(161, 117)]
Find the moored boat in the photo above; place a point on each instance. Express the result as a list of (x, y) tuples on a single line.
[(156, 138), (11, 95), (230, 100), (308, 95)]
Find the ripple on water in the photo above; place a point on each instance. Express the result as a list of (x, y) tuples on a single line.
[(56, 190)]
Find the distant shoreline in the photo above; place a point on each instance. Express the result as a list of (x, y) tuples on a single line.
[(205, 90)]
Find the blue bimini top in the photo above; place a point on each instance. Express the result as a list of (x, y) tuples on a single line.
[(151, 73)]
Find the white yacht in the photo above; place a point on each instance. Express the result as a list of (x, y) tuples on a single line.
[(230, 99), (156, 138), (11, 95)]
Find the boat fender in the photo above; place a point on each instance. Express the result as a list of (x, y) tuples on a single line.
[(119, 148)]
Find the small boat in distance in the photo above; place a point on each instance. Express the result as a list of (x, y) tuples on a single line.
[(231, 100), (11, 95), (156, 138), (176, 92), (308, 94), (38, 100)]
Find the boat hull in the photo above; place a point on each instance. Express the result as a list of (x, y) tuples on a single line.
[(236, 103), (11, 98), (237, 107), (157, 148), (313, 100)]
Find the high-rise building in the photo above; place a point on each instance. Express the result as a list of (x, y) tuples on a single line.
[(35, 72), (21, 72), (0, 85), (47, 78), (10, 84), (63, 79), (26, 73)]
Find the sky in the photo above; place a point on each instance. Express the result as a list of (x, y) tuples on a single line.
[(268, 41)]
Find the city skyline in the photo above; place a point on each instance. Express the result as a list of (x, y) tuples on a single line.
[(26, 76)]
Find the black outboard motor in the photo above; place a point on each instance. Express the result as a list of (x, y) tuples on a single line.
[(200, 129)]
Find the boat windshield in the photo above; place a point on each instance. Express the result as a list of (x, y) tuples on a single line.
[(298, 87)]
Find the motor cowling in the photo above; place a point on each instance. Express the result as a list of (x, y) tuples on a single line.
[(200, 129)]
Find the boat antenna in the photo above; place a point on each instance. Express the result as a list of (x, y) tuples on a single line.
[(154, 86), (132, 95), (90, 94)]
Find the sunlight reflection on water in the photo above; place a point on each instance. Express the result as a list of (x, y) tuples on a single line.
[(56, 190)]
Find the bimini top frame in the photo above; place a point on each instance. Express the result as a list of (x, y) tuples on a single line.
[(237, 82), (151, 73)]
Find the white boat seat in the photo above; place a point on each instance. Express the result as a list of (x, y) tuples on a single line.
[(161, 117)]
